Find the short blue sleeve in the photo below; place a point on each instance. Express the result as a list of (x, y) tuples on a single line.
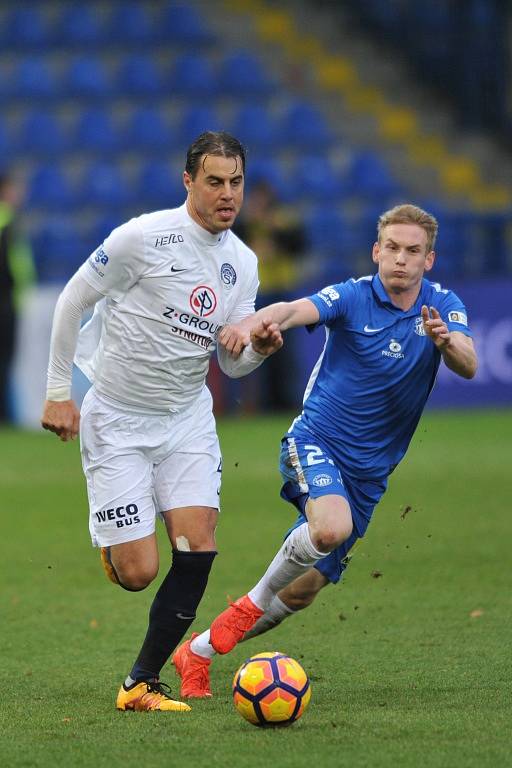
[(454, 313), (333, 302)]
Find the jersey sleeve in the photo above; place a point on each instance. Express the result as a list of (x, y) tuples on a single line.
[(247, 298), (454, 313), (333, 302), (118, 263)]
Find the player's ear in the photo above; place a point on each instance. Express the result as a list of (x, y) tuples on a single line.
[(429, 261), (187, 180), (376, 252)]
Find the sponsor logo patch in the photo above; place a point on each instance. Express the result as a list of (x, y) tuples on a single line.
[(458, 317), (122, 516), (172, 237), (322, 480), (329, 295), (394, 351), (203, 301)]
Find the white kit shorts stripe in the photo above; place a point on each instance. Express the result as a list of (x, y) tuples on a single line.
[(138, 465)]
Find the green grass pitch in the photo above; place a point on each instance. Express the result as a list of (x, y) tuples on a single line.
[(409, 658)]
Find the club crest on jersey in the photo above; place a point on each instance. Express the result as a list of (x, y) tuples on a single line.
[(228, 275), (419, 327), (394, 350), (322, 480), (203, 301)]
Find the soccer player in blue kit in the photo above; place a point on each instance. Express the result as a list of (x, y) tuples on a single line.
[(385, 337)]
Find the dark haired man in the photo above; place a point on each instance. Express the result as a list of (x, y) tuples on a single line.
[(164, 284)]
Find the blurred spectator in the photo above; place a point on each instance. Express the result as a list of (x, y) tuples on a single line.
[(276, 235), (16, 273)]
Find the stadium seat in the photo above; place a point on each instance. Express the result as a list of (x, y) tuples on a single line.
[(147, 129), (324, 226), (104, 184), (315, 177), (41, 132), (129, 23), (183, 25), (370, 177), (243, 75), (305, 126), (26, 26), (58, 251), (86, 77), (192, 75), (255, 126), (195, 121), (49, 187), (139, 76), (269, 170), (159, 186), (101, 228), (80, 24), (95, 131), (32, 78)]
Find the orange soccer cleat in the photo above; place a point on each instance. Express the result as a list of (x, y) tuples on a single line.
[(149, 697), (193, 670), (231, 625)]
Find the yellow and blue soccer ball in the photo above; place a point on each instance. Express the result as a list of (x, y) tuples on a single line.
[(271, 689)]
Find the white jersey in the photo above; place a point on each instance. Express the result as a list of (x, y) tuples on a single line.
[(169, 287)]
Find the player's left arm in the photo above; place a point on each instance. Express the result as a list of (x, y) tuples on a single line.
[(457, 349)]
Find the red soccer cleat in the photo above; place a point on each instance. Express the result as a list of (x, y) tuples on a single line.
[(231, 625), (193, 670)]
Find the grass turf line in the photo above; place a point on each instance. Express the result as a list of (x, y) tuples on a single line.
[(409, 667)]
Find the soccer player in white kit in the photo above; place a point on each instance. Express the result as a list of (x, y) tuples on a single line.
[(163, 286)]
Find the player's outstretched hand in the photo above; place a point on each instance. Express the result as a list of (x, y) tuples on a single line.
[(63, 418), (234, 338), (435, 327), (266, 338)]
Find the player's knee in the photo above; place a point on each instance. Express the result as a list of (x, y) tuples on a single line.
[(136, 577), (330, 534)]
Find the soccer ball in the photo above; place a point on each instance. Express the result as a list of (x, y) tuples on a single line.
[(271, 689)]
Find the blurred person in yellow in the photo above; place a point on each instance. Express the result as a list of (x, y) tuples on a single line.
[(17, 272), (273, 230)]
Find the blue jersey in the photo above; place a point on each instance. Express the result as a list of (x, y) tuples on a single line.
[(368, 389)]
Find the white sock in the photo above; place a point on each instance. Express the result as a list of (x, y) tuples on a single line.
[(296, 555), (274, 615), (201, 645)]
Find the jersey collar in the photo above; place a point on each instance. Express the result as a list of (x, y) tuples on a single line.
[(206, 238), (382, 296)]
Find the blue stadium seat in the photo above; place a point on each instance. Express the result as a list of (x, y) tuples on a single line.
[(101, 228), (159, 186), (304, 126), (40, 132), (49, 187), (268, 169), (242, 74), (80, 24), (192, 74), (104, 184), (324, 228), (5, 145), (255, 127), (26, 26), (130, 23), (139, 75), (86, 77), (195, 121), (95, 131), (32, 78), (58, 251), (314, 176), (183, 25), (370, 177), (147, 129)]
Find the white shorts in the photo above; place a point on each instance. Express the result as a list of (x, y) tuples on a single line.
[(138, 465)]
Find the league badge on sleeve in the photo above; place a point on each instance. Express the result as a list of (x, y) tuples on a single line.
[(458, 317)]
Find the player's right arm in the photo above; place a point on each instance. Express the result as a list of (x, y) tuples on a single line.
[(60, 414), (284, 314)]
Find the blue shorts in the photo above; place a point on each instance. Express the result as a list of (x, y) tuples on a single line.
[(309, 471)]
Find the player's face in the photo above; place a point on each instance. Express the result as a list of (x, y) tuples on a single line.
[(216, 193), (402, 256)]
